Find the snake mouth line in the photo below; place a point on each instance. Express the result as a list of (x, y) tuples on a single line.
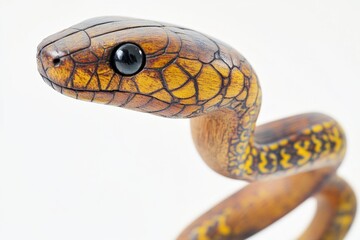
[(61, 89), (108, 97)]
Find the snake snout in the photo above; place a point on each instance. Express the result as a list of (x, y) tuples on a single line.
[(55, 63), (46, 59)]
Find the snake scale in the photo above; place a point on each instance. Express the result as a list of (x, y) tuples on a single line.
[(176, 72)]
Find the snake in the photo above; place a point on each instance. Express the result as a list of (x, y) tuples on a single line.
[(176, 72)]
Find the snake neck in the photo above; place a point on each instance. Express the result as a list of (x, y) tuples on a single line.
[(225, 137), (227, 141)]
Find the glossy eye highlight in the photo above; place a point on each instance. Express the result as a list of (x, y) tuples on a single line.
[(128, 59)]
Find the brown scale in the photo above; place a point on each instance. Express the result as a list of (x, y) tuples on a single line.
[(190, 75)]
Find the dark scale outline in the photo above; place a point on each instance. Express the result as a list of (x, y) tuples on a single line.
[(240, 107)]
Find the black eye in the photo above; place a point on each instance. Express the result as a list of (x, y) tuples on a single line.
[(128, 59)]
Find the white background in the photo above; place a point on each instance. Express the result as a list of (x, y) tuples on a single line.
[(76, 170)]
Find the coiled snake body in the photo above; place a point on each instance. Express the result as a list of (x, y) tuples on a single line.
[(180, 73)]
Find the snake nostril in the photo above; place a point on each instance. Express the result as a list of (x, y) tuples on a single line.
[(56, 62)]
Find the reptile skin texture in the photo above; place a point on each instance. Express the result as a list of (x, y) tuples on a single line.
[(188, 74)]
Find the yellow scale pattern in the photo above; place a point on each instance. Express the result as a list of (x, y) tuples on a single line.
[(322, 142), (188, 74)]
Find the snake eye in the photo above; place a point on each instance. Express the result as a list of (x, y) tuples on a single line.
[(128, 59)]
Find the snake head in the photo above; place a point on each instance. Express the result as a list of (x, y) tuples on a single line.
[(143, 65)]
